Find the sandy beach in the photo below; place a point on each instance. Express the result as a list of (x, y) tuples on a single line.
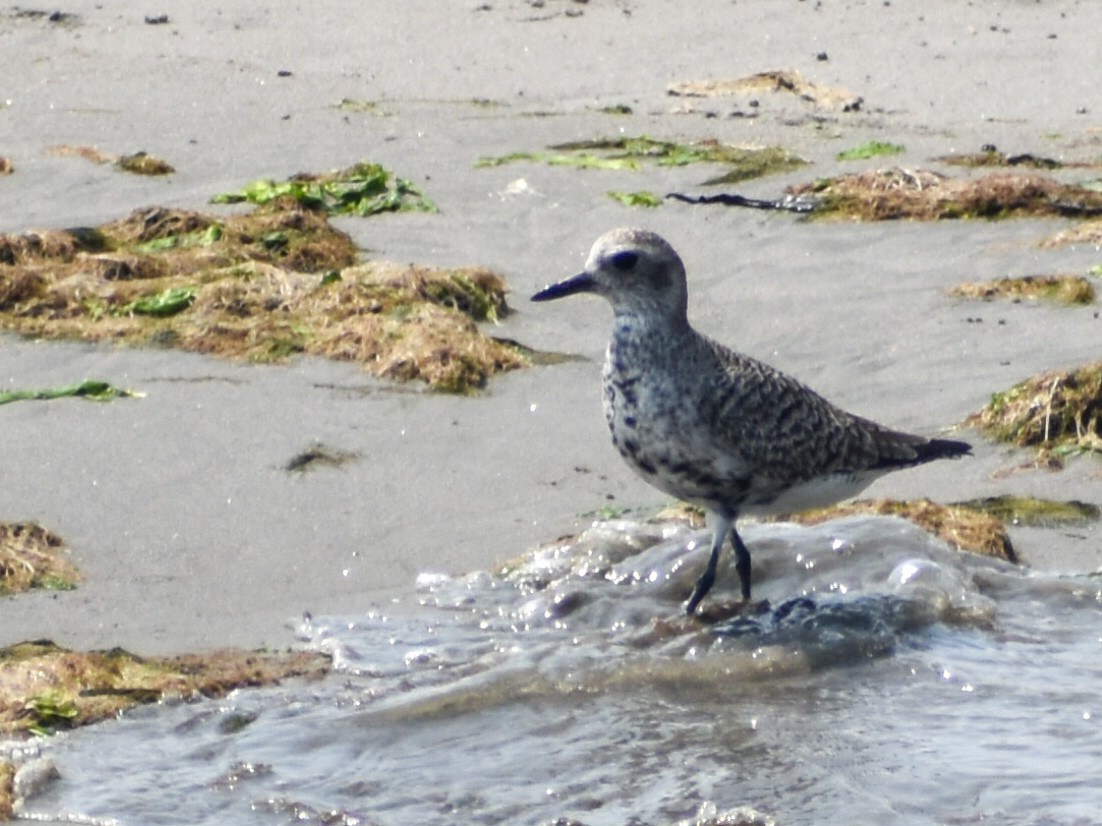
[(190, 532)]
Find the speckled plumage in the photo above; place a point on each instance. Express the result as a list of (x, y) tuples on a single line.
[(712, 426)]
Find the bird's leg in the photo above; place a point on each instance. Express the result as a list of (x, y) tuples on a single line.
[(742, 562), (724, 525)]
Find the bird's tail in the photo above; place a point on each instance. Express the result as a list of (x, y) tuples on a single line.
[(941, 449), (900, 450)]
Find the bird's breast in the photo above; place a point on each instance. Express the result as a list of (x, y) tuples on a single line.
[(655, 422)]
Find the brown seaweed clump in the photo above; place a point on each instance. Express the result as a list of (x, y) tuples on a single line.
[(963, 526), (993, 157), (1059, 412), (420, 324), (33, 557), (45, 688), (922, 195), (1088, 233), (7, 790), (1063, 289), (780, 81), (264, 286), (139, 163), (970, 526)]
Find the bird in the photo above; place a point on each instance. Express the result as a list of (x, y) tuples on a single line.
[(711, 426)]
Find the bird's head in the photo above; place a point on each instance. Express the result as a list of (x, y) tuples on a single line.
[(635, 270)]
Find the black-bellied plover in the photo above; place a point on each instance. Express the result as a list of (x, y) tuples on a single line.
[(714, 427)]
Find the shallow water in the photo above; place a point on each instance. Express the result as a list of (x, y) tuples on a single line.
[(889, 680)]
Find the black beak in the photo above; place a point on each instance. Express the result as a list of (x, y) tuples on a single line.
[(581, 283)]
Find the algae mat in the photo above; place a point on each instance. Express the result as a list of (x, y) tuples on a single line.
[(263, 286), (1059, 412), (45, 688), (923, 195), (32, 556)]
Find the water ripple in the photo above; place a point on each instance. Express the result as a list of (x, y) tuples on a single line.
[(881, 678)]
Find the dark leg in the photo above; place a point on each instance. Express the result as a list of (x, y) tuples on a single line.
[(724, 525), (742, 562)]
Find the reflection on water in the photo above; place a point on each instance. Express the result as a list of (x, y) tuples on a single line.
[(886, 679)]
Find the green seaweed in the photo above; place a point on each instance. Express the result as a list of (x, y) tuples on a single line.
[(607, 512), (50, 712), (462, 293), (56, 583), (165, 303), (749, 163), (202, 238), (1028, 510), (631, 153), (872, 149), (280, 348), (636, 199), (581, 161), (92, 390), (275, 241), (363, 189)]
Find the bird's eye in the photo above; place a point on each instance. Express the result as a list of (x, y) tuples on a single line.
[(625, 261)]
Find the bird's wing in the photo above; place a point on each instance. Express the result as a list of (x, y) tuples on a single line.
[(786, 430)]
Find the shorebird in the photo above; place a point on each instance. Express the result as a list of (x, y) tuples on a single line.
[(713, 427)]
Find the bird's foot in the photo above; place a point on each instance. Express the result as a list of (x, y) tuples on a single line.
[(700, 590), (719, 611)]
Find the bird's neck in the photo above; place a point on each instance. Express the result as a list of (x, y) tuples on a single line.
[(635, 323), (644, 338)]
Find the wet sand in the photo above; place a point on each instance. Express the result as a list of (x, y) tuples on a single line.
[(177, 506)]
